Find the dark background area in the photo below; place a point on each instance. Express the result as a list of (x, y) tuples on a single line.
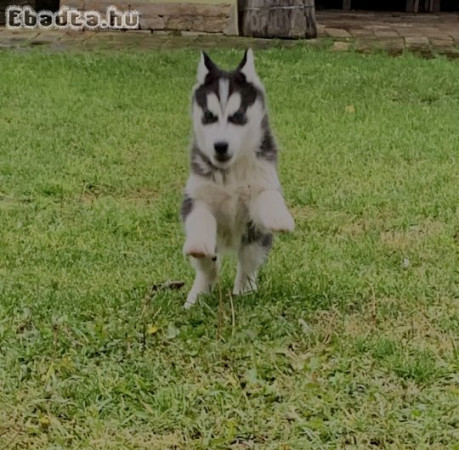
[(381, 5)]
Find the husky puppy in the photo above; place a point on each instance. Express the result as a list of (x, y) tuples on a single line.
[(233, 198)]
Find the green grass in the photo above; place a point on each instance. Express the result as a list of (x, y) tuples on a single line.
[(352, 338)]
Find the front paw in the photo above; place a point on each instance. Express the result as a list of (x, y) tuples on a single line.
[(279, 222), (199, 249)]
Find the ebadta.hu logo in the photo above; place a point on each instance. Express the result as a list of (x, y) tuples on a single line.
[(114, 19)]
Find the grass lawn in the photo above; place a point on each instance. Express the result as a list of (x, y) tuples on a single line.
[(352, 338)]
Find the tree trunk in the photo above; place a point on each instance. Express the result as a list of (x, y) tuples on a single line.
[(288, 19)]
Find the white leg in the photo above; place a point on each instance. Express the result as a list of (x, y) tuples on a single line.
[(206, 276), (201, 232), (250, 258), (269, 211)]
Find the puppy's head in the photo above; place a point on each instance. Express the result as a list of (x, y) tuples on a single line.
[(228, 108)]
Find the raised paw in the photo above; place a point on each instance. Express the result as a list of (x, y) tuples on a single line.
[(199, 249), (279, 222)]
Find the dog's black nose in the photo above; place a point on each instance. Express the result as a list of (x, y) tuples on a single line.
[(221, 148)]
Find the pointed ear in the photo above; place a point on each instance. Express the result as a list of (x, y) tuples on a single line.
[(205, 66), (247, 67)]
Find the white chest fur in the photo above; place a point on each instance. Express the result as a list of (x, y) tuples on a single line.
[(228, 195)]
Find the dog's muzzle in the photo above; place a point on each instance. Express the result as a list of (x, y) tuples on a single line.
[(221, 152)]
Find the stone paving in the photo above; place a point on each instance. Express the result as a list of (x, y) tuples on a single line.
[(57, 40), (394, 32), (426, 34)]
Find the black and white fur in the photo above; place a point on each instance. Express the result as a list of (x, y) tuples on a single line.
[(233, 198)]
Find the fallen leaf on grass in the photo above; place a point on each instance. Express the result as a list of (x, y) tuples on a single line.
[(168, 285), (152, 329), (350, 109), (172, 332), (44, 422)]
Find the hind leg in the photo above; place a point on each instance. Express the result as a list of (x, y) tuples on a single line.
[(251, 256), (206, 276)]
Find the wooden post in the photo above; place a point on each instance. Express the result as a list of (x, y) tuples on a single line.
[(412, 5), (241, 4), (288, 19), (430, 6)]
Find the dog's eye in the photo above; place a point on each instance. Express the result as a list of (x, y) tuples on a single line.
[(209, 117), (238, 118)]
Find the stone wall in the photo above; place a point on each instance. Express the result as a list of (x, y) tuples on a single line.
[(208, 16)]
